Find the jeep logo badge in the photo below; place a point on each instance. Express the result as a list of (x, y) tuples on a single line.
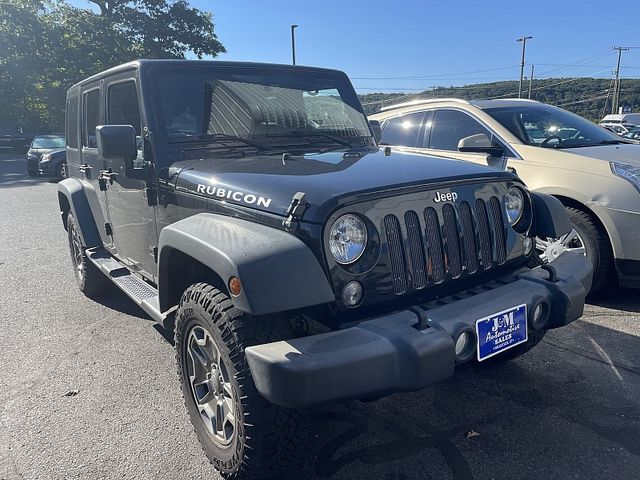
[(445, 197)]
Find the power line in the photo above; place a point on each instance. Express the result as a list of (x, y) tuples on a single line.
[(591, 99), (441, 75), (582, 62)]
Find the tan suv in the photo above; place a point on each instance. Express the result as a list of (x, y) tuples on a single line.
[(595, 173)]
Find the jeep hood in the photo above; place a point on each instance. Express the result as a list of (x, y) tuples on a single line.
[(269, 182)]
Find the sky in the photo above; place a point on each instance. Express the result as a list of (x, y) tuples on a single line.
[(435, 43)]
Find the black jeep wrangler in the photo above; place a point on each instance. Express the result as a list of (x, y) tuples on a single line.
[(248, 208)]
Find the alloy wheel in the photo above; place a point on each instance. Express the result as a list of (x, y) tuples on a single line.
[(551, 248), (76, 250), (210, 386)]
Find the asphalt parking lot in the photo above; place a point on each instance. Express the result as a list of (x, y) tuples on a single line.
[(88, 389)]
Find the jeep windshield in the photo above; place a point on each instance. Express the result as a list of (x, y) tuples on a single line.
[(551, 127), (272, 108)]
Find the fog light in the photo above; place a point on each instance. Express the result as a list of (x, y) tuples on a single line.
[(528, 245), (540, 316), (352, 294), (461, 343), (537, 314)]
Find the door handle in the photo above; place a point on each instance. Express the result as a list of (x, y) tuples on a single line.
[(107, 175)]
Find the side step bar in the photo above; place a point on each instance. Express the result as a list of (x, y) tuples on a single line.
[(143, 294)]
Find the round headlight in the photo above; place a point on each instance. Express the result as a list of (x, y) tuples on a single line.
[(347, 239), (514, 205)]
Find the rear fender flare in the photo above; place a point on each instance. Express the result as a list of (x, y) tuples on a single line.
[(72, 198)]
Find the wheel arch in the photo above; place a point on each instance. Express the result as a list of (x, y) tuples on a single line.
[(277, 270), (578, 205), (72, 199), (185, 271), (577, 200)]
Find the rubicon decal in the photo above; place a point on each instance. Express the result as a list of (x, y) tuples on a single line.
[(235, 195)]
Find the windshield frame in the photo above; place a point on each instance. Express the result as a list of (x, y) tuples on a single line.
[(267, 74), (566, 120)]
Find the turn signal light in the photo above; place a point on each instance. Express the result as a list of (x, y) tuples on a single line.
[(235, 287)]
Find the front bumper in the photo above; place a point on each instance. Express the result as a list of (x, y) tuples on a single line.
[(623, 227), (389, 353), (32, 164), (47, 169)]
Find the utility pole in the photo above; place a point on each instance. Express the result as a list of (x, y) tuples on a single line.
[(293, 43), (522, 39), (531, 80), (616, 87)]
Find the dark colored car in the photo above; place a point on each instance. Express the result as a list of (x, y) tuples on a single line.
[(248, 209), (54, 164), (42, 144)]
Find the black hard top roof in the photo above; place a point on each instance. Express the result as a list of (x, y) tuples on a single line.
[(177, 63)]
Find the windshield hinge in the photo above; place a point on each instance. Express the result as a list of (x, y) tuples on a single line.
[(294, 213)]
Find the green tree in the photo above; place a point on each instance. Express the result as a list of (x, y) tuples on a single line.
[(47, 46)]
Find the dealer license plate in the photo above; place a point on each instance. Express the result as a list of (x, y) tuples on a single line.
[(501, 331)]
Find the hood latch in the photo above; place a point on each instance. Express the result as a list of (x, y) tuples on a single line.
[(295, 211)]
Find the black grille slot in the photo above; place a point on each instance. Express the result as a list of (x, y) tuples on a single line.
[(452, 240), (469, 238), (498, 230), (486, 252), (434, 245), (416, 249), (448, 242), (396, 255)]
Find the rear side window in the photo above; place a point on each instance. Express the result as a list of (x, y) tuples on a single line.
[(403, 130), (451, 126), (122, 109), (72, 122), (91, 117)]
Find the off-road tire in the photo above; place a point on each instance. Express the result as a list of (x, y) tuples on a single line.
[(535, 336), (89, 278), (269, 441)]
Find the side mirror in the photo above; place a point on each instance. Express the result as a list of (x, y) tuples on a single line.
[(480, 143), (119, 141), (376, 129)]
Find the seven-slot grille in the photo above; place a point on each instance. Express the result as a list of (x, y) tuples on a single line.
[(432, 247)]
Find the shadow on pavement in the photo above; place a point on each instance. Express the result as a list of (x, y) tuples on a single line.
[(505, 421), (13, 172), (624, 299), (115, 299)]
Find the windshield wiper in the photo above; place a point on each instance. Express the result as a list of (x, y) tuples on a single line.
[(222, 137), (612, 142)]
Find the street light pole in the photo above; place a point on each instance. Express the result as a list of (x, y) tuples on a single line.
[(522, 39), (293, 43)]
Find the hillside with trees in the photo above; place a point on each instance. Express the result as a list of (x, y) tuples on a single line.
[(584, 96)]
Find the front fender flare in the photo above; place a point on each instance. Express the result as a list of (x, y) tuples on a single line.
[(551, 219), (71, 189), (277, 270)]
